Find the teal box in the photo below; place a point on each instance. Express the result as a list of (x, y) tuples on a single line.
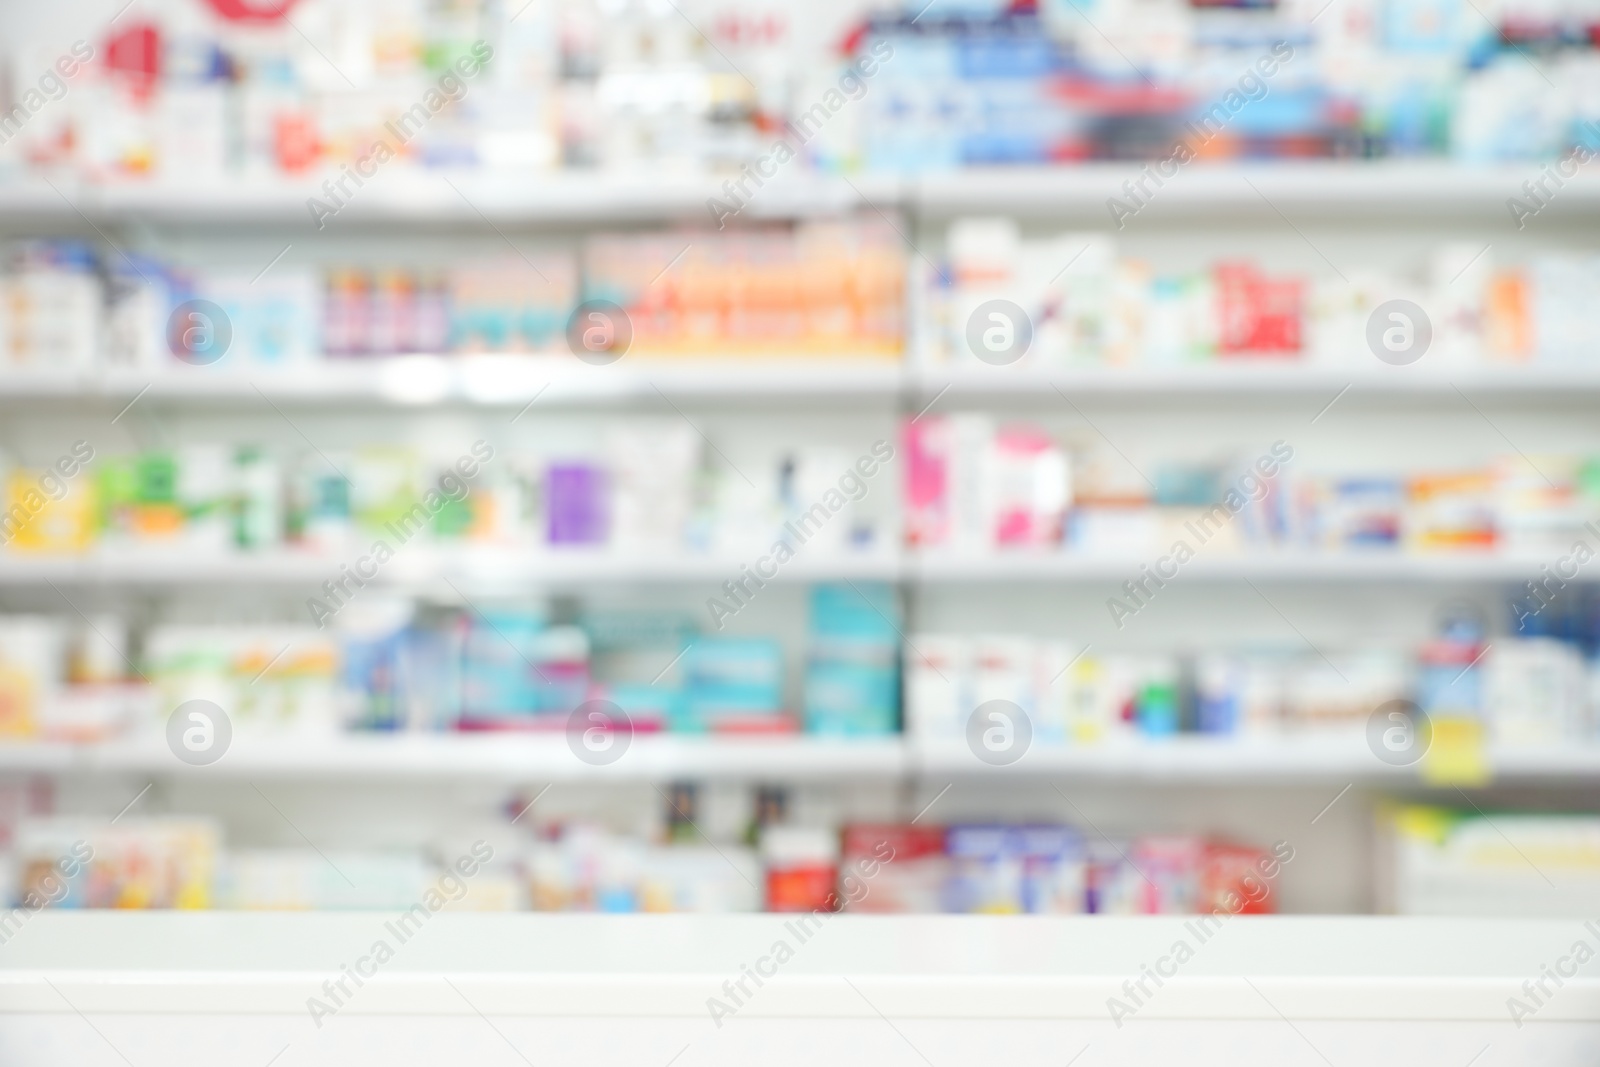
[(731, 678), (649, 709), (852, 684), (853, 693), (866, 611)]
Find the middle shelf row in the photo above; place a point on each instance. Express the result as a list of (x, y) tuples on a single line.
[(757, 495)]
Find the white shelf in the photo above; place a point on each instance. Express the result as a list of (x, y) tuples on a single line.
[(1367, 189), (1341, 188), (546, 380), (1187, 759), (1261, 564), (475, 569), (552, 380), (1264, 376), (497, 756), (496, 568), (423, 197), (1191, 758)]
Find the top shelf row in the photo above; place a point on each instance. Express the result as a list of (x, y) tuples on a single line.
[(1368, 190)]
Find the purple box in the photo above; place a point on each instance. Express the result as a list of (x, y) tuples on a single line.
[(575, 500)]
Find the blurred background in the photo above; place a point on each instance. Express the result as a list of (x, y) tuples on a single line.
[(1126, 456)]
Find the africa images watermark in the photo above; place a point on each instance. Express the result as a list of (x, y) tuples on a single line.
[(1202, 928), (451, 87), (46, 889), (52, 86), (852, 84), (1538, 991), (1251, 87), (802, 929), (1538, 189), (451, 886), (1540, 593), (52, 486), (1250, 487), (852, 484), (454, 485)]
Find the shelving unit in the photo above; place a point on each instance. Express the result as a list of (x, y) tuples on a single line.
[(1307, 215)]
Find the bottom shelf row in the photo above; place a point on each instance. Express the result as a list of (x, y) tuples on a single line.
[(1433, 860)]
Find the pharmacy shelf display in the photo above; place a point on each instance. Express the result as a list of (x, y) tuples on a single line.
[(1144, 776), (397, 532)]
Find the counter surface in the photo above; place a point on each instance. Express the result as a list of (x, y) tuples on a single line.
[(928, 966)]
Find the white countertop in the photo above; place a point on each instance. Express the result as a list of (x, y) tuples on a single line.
[(905, 966)]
